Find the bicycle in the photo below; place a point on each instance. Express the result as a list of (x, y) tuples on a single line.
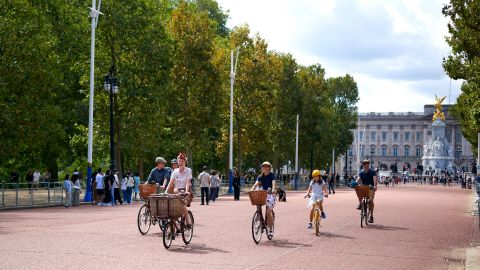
[(316, 215), (259, 223), (364, 193), (145, 217), (176, 222)]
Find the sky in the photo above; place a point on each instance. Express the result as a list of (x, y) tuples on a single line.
[(393, 49)]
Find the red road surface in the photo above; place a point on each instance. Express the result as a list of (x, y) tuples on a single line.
[(416, 227)]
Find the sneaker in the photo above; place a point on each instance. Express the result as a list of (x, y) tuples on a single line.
[(323, 215), (188, 226), (359, 206), (310, 225), (370, 220)]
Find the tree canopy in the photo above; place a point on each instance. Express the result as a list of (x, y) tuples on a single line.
[(172, 62)]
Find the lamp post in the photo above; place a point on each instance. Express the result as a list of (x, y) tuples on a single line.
[(94, 12), (111, 85), (233, 70)]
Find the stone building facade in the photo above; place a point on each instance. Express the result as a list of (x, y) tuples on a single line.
[(385, 138)]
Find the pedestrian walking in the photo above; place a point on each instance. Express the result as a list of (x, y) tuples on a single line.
[(331, 183), (67, 186), (107, 187), (214, 186), (29, 179), (36, 179), (204, 179), (236, 185), (77, 189)]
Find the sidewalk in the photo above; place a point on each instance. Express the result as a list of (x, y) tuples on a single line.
[(472, 256)]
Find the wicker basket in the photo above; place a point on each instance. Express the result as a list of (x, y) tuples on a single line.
[(146, 190), (166, 206), (258, 197), (362, 191)]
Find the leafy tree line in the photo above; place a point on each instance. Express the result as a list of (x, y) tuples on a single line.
[(464, 63), (172, 60)]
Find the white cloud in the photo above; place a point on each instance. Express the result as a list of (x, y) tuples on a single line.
[(393, 49)]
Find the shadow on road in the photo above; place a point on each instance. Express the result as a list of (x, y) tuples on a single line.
[(384, 228), (331, 235), (284, 244), (195, 249)]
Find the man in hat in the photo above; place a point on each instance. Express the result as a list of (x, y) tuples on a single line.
[(160, 174), (368, 177)]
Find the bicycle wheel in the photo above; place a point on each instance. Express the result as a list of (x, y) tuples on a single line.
[(316, 221), (272, 228), (257, 224), (168, 234), (144, 219), (187, 234), (362, 209)]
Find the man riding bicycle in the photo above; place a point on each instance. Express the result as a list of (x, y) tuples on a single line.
[(266, 180), (160, 174), (368, 177)]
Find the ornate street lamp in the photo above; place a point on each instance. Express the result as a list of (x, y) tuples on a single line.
[(111, 85)]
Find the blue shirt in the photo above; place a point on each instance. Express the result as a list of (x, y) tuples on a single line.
[(266, 180), (158, 176), (367, 177), (67, 185)]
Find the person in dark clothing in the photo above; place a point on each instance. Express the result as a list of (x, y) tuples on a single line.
[(29, 179), (331, 183), (107, 186), (236, 186)]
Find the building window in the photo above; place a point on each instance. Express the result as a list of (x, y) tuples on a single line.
[(407, 136), (384, 151), (361, 136), (384, 136), (362, 150), (419, 136), (372, 150), (350, 152), (373, 134), (395, 136), (406, 151), (395, 151), (418, 152)]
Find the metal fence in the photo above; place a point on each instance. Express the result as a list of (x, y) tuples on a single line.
[(13, 195)]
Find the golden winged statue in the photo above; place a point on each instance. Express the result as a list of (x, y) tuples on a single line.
[(438, 109)]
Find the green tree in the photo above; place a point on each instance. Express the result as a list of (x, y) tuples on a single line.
[(464, 62)]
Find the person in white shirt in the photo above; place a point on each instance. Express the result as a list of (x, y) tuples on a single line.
[(204, 179), (36, 178), (77, 189), (130, 185), (123, 187), (99, 188), (116, 189), (181, 181)]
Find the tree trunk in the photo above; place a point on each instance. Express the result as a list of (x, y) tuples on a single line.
[(118, 153)]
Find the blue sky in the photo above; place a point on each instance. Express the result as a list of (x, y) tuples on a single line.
[(393, 48)]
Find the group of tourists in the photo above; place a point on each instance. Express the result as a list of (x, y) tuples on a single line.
[(72, 189), (108, 189)]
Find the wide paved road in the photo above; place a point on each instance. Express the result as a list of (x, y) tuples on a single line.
[(416, 227)]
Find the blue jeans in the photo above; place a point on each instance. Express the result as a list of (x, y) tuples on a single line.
[(128, 194), (124, 194), (112, 192)]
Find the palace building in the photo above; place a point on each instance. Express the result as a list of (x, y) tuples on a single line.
[(385, 138)]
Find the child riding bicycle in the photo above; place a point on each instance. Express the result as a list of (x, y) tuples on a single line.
[(319, 189)]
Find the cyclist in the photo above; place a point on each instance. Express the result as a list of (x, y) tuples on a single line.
[(181, 180), (160, 174), (319, 189), (368, 177), (266, 180)]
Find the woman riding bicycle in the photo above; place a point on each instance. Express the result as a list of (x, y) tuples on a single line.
[(317, 186), (181, 181), (266, 180)]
